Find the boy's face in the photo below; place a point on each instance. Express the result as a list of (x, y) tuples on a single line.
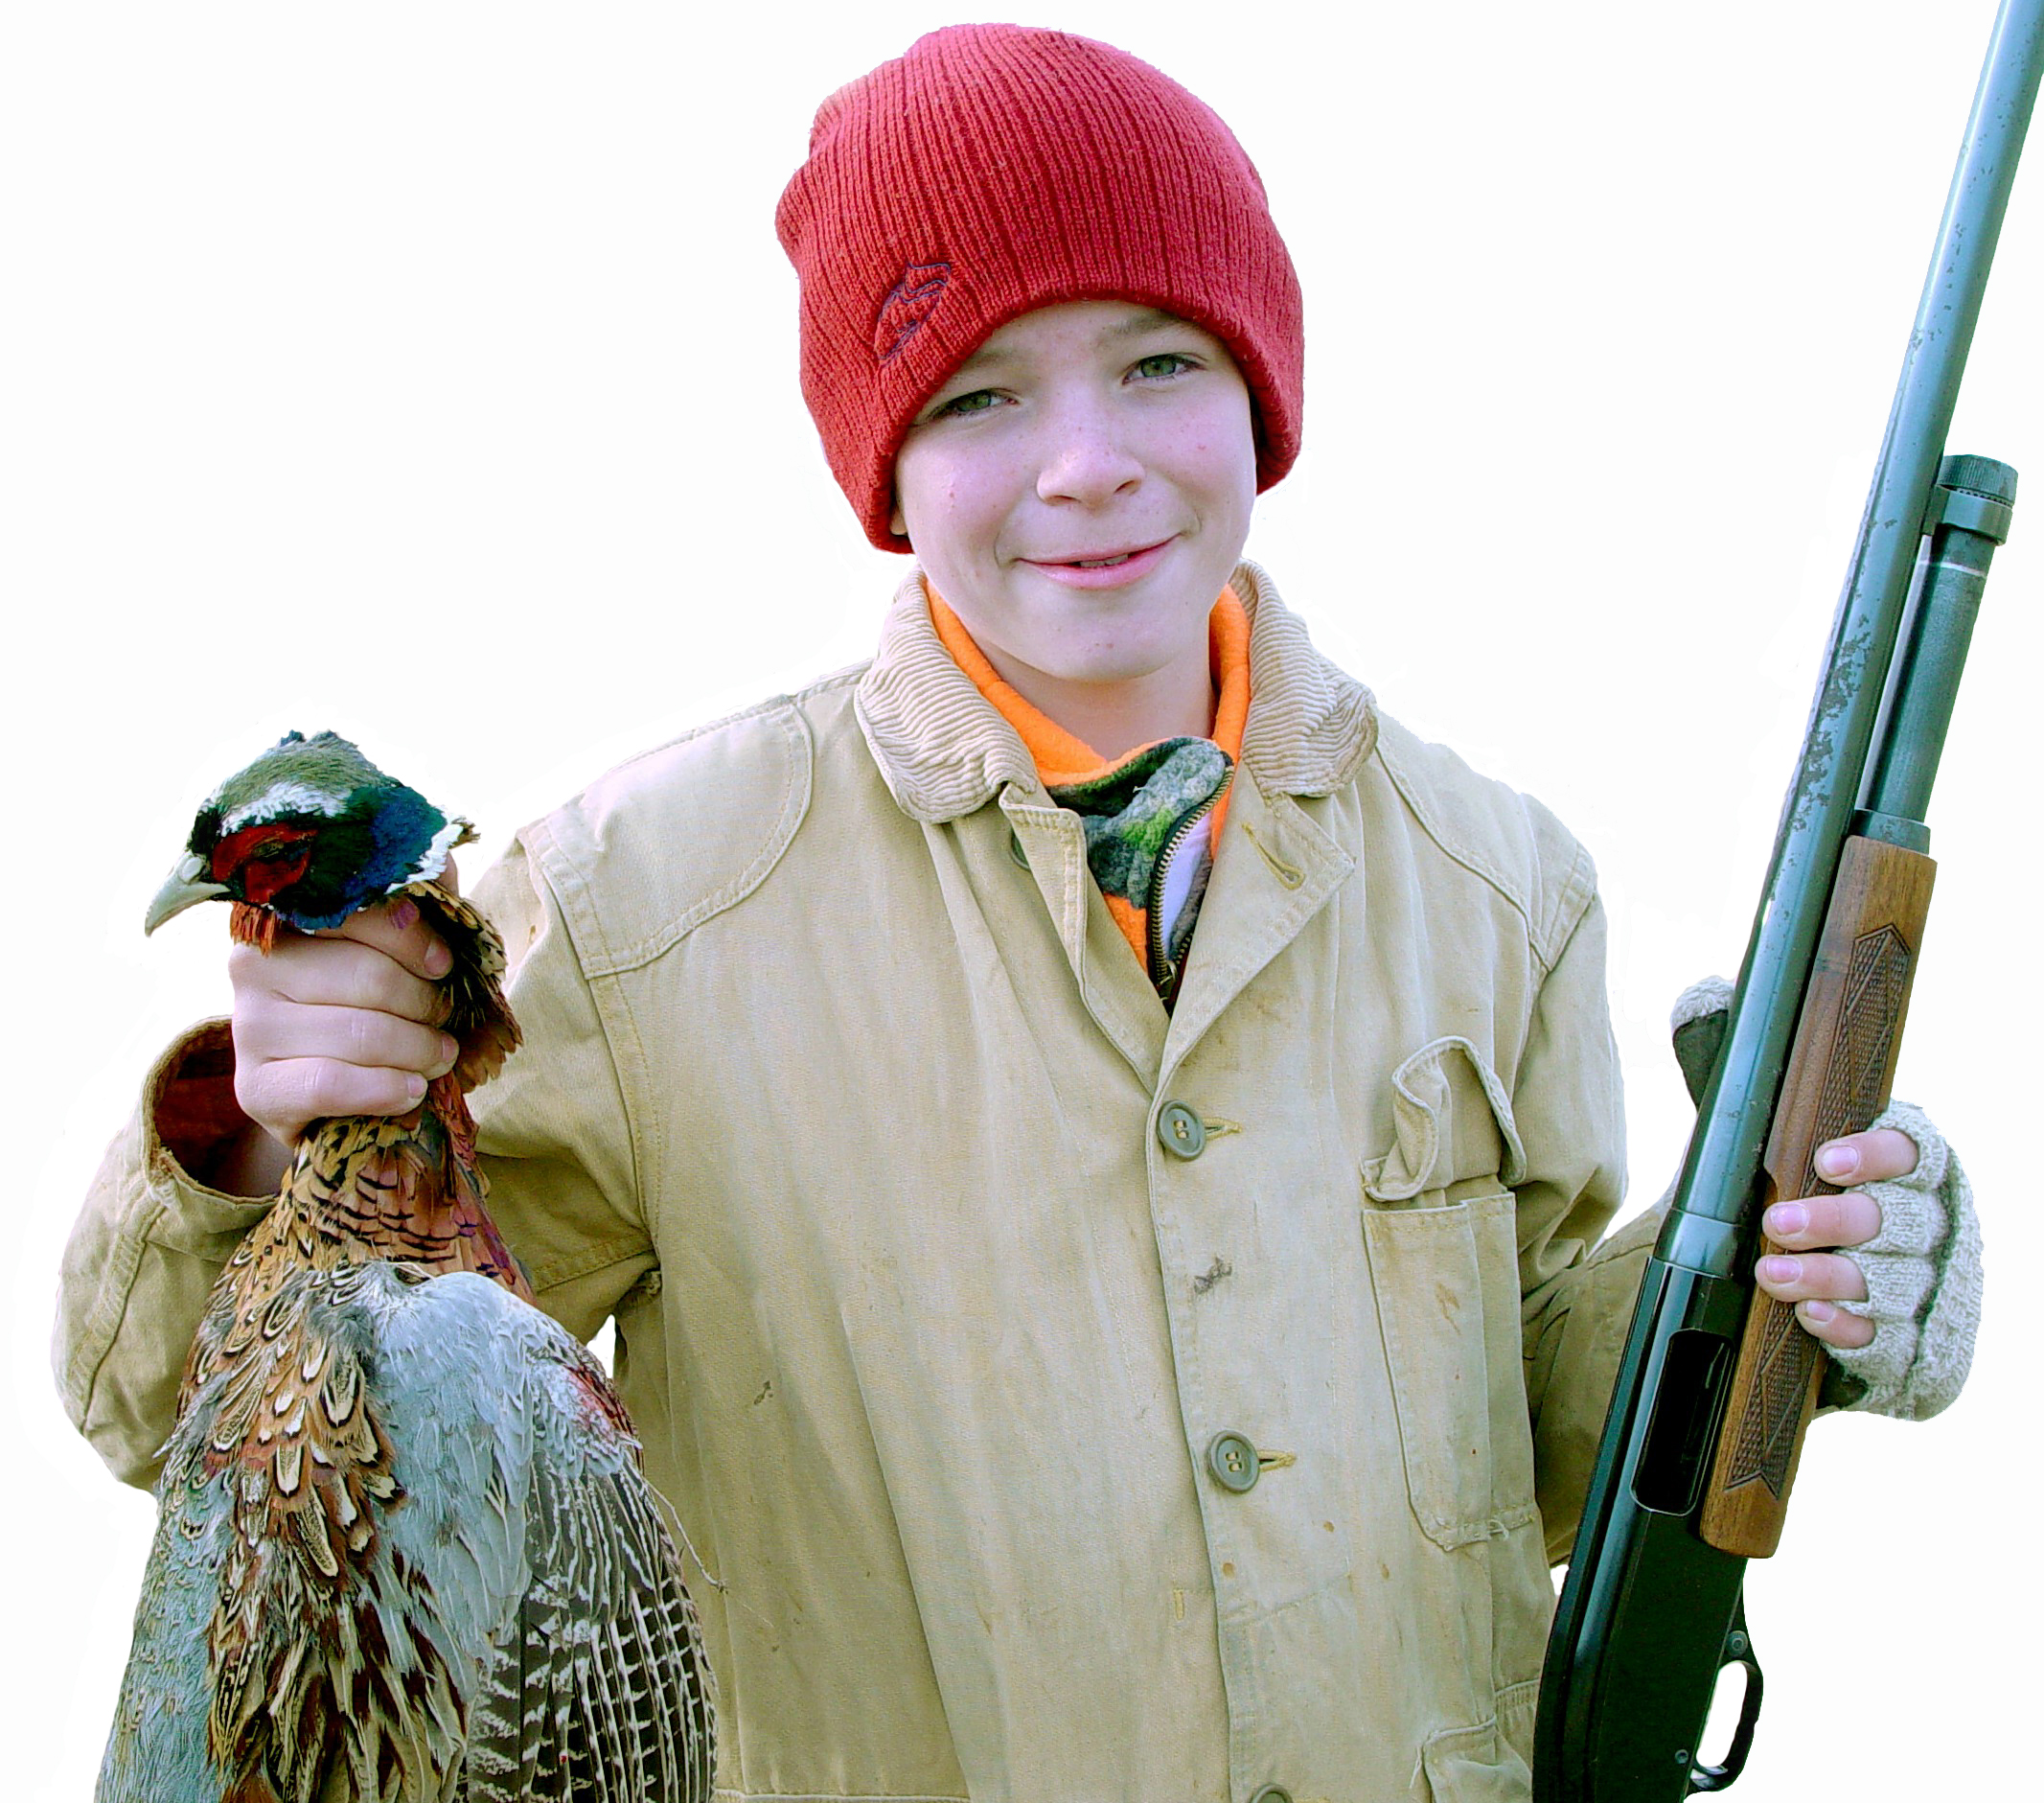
[(1079, 492)]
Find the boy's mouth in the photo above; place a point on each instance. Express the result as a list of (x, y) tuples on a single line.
[(1102, 560)]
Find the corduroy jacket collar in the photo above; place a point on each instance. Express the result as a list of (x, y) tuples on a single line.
[(944, 752)]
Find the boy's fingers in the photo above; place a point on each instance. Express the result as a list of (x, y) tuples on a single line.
[(329, 972), (284, 1093), (365, 1037), (1815, 1283), (395, 929), (1817, 1221), (1875, 1157), (1811, 1275), (1833, 1325)]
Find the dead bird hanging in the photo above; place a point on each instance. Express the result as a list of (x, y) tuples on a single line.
[(404, 1549)]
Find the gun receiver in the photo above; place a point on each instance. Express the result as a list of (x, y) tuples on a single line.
[(1716, 1381)]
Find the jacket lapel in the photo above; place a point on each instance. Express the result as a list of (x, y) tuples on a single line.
[(1114, 987), (1274, 870)]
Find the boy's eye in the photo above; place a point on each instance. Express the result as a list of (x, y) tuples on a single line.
[(1163, 363), (977, 401)]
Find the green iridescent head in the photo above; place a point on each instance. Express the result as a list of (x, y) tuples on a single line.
[(310, 831)]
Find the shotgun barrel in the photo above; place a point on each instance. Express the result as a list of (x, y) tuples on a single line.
[(1716, 1381)]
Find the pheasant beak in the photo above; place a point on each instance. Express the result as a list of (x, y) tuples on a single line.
[(188, 883)]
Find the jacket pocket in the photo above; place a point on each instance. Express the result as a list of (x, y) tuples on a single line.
[(1484, 1764), (1439, 1231)]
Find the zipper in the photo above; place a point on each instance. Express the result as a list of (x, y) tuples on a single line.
[(1163, 972)]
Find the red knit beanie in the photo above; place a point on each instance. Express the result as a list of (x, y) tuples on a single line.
[(995, 170)]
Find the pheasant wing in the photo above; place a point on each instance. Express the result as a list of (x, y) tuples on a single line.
[(537, 1525)]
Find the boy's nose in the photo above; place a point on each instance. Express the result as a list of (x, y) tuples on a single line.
[(1085, 460)]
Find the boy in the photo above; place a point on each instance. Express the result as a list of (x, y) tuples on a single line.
[(1090, 1134)]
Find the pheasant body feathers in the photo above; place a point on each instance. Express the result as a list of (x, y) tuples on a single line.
[(404, 1549)]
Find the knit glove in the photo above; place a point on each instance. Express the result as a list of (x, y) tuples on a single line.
[(1922, 1270)]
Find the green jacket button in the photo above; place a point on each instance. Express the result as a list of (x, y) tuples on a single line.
[(1271, 1793), (1016, 854), (1233, 1462), (1181, 1131)]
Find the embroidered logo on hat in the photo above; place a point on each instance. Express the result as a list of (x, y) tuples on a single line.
[(911, 301)]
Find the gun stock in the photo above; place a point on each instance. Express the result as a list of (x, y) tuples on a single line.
[(1841, 1072)]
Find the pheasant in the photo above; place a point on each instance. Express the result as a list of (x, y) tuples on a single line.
[(404, 1549)]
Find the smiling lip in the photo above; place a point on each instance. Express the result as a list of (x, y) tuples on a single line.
[(1102, 569)]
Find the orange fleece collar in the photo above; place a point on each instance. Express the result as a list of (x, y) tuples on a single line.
[(1063, 758)]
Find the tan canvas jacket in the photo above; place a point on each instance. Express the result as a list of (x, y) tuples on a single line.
[(954, 1280)]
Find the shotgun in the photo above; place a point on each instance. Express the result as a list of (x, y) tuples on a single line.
[(1717, 1381)]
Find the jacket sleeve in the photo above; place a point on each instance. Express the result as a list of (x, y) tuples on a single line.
[(1576, 1294), (152, 1239), (143, 1256), (557, 1144)]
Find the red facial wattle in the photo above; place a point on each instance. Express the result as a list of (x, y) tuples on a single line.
[(264, 859)]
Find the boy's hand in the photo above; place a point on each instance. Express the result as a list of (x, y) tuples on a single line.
[(343, 1022), (1889, 1281), (1806, 1273)]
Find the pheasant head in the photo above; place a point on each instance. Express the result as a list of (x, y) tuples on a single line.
[(308, 834)]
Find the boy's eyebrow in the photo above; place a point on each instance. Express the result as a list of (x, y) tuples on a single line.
[(1137, 324), (985, 354)]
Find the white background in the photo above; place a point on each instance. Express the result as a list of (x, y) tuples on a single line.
[(428, 372)]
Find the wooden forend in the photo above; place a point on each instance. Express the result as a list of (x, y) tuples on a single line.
[(1839, 1076)]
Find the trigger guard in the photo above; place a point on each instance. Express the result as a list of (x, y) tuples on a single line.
[(1737, 1650)]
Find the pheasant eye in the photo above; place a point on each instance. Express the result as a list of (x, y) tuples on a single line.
[(265, 858)]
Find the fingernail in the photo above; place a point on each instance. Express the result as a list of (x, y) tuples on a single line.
[(450, 1051), (1787, 1217), (403, 912), (1816, 1313), (415, 1086), (1777, 1269), (1837, 1162), (438, 960)]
